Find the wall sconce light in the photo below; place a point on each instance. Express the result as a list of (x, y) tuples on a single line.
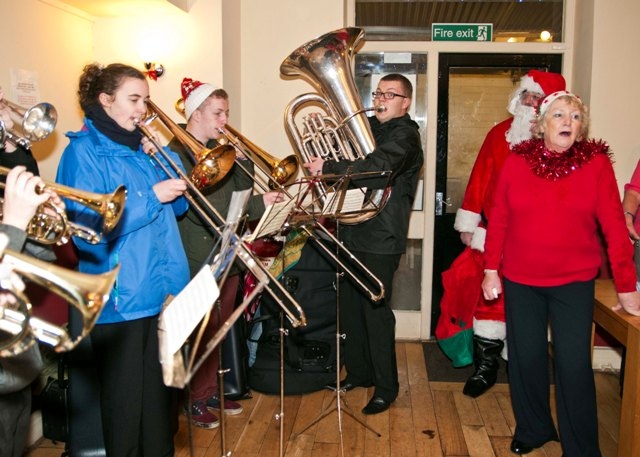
[(154, 71)]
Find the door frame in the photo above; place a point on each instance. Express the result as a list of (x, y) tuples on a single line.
[(446, 242)]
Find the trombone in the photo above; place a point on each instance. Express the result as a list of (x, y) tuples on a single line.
[(280, 170), (50, 225), (245, 146), (36, 123), (208, 212), (278, 173), (87, 293)]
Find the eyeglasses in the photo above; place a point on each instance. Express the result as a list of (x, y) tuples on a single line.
[(386, 95)]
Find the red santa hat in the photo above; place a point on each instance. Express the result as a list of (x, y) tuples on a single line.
[(194, 93), (542, 82)]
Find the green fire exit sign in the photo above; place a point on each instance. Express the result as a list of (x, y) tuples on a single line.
[(461, 32)]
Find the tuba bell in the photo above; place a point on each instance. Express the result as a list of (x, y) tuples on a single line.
[(343, 133)]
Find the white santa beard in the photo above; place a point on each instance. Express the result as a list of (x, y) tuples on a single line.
[(520, 130)]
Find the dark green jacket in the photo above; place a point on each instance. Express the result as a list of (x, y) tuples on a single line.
[(198, 237)]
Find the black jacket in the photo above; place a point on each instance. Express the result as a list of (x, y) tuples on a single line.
[(399, 150)]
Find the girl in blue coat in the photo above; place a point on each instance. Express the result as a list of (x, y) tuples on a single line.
[(109, 151)]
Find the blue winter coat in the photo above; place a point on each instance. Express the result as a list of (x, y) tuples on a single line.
[(146, 242)]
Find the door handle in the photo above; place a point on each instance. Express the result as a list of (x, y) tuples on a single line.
[(440, 202)]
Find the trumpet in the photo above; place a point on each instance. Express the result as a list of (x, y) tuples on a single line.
[(51, 225), (85, 292), (36, 123)]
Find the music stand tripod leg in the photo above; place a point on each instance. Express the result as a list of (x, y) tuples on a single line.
[(339, 391), (221, 372)]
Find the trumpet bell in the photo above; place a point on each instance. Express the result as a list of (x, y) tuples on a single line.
[(111, 208), (213, 166), (39, 121)]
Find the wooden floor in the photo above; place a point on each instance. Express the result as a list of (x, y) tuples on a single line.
[(428, 419)]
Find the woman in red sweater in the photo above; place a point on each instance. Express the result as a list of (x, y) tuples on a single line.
[(553, 195)]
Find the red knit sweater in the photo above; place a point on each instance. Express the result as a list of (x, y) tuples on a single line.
[(543, 232)]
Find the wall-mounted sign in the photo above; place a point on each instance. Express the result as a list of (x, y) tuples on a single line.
[(461, 32)]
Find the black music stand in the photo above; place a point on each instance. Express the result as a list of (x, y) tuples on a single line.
[(180, 317), (345, 201)]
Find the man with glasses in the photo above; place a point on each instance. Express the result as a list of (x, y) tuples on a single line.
[(475, 319), (379, 242)]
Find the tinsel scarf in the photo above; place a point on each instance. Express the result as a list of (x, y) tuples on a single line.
[(556, 165)]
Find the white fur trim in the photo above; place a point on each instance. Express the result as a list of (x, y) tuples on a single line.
[(528, 83), (492, 330), (466, 221), (477, 240), (196, 97)]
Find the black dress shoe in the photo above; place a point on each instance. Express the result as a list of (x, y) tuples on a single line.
[(518, 447), (376, 405)]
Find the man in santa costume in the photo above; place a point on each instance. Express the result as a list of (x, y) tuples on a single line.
[(471, 329)]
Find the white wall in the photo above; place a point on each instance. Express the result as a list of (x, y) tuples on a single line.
[(270, 32), (613, 98), (186, 44), (45, 39)]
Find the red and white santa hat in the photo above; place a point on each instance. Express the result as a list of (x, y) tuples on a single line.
[(194, 93), (549, 99), (542, 82)]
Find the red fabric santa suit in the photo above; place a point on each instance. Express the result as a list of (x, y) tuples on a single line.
[(464, 311)]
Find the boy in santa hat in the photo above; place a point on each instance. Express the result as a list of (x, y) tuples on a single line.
[(207, 111), (471, 329)]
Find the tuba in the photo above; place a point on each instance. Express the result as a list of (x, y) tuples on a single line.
[(344, 132), (86, 292)]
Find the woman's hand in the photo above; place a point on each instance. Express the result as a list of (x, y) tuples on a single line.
[(148, 146), (169, 190), (630, 301), (21, 198), (491, 285)]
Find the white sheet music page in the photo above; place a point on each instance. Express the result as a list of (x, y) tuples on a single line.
[(353, 200), (273, 219), (187, 309)]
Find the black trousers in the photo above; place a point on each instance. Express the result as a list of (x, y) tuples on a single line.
[(370, 329), (568, 311), (137, 413)]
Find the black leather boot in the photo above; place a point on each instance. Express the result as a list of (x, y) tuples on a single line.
[(485, 358)]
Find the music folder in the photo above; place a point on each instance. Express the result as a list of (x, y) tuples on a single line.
[(181, 314)]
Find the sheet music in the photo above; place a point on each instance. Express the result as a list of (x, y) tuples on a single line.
[(188, 308), (273, 219), (353, 201)]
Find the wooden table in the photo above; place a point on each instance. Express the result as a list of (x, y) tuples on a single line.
[(626, 329)]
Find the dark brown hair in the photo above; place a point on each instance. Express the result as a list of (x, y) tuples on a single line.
[(407, 87), (96, 79)]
